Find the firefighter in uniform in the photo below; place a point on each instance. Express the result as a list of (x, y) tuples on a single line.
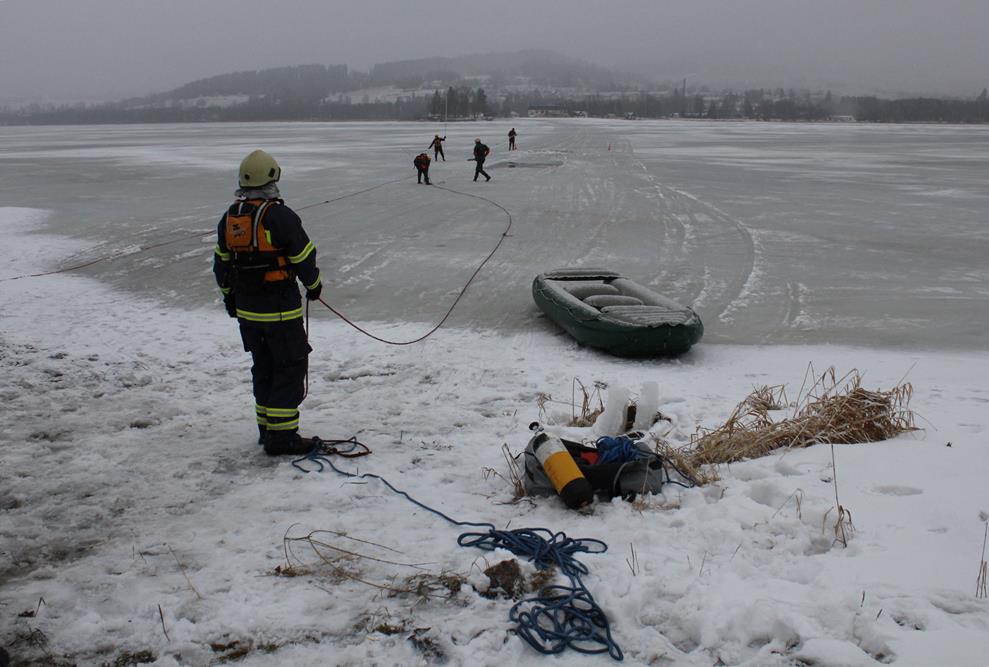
[(261, 251)]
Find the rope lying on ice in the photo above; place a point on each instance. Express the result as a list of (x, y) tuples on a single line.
[(198, 234), (561, 616), (111, 256), (352, 194), (459, 296), (204, 233)]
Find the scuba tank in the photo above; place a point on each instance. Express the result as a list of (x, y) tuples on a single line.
[(562, 470)]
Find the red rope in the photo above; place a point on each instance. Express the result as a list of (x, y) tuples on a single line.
[(455, 301), (306, 393)]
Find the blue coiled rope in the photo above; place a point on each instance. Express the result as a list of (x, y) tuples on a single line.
[(560, 617), (618, 449)]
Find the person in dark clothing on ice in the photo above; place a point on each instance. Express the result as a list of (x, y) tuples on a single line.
[(422, 166), (437, 147), (261, 251), (480, 154), (511, 139)]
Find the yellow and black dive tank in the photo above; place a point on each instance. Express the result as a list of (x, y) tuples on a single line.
[(562, 471)]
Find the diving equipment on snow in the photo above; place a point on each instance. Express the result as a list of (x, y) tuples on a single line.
[(616, 467), (567, 479)]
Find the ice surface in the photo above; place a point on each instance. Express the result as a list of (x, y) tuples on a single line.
[(775, 233), (135, 502)]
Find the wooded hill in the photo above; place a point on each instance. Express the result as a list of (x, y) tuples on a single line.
[(475, 85)]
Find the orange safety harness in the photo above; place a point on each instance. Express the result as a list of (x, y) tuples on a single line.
[(250, 243)]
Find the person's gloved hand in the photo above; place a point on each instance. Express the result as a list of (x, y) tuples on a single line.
[(230, 304), (313, 294)]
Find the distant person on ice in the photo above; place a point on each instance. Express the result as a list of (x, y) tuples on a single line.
[(437, 147), (422, 166), (261, 251), (511, 139), (480, 154)]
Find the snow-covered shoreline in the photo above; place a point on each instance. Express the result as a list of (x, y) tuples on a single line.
[(130, 482)]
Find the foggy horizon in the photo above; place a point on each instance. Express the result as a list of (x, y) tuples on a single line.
[(52, 50)]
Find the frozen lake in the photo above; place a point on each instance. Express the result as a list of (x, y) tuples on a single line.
[(138, 517), (776, 233)]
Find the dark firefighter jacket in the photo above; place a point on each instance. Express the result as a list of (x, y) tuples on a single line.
[(437, 142), (263, 281), (422, 162), (481, 152)]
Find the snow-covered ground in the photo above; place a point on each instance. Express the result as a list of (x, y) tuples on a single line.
[(135, 503)]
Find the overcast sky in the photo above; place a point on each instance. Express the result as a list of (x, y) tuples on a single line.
[(97, 49)]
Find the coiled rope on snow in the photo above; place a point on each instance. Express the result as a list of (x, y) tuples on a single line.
[(560, 616)]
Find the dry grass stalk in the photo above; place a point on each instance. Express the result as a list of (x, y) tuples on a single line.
[(34, 638), (980, 581), (766, 398), (184, 573), (633, 561), (582, 417), (515, 473), (427, 586), (542, 399), (340, 563), (161, 615), (843, 526), (798, 497), (834, 410), (587, 415), (839, 527)]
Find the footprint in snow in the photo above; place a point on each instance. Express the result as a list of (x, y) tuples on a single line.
[(896, 490)]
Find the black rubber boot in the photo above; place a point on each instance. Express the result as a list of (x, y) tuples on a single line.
[(278, 444)]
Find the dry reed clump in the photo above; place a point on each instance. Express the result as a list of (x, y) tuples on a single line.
[(682, 460), (833, 410)]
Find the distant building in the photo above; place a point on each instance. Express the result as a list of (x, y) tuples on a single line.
[(547, 111), (843, 119)]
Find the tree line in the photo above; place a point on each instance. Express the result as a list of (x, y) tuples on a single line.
[(459, 102), (291, 103), (762, 104)]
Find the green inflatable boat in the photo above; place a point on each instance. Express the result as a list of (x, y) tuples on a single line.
[(602, 309)]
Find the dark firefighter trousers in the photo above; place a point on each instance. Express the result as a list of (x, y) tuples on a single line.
[(280, 353)]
